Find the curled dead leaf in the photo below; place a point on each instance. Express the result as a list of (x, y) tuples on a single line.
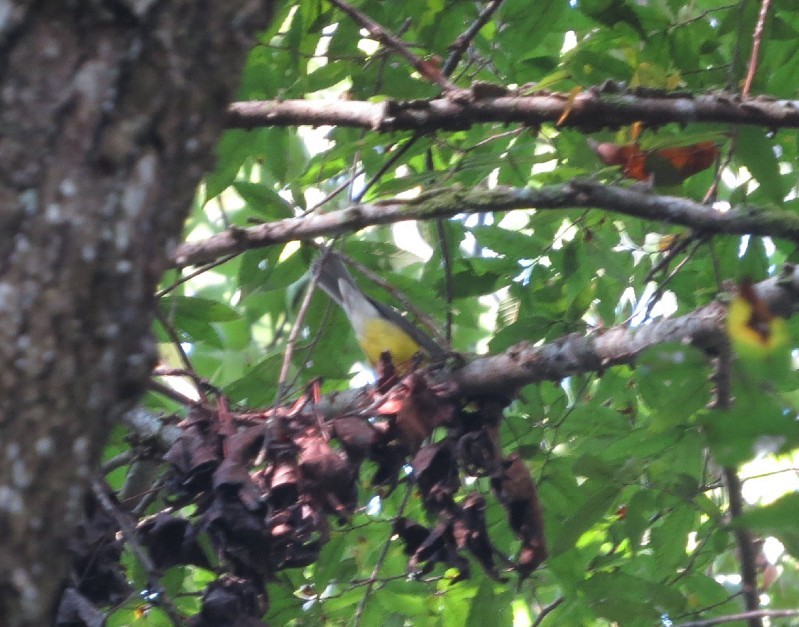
[(328, 476), (421, 412), (470, 532), (171, 540), (231, 601), (665, 166), (194, 456), (516, 490), (356, 436), (436, 473), (232, 477)]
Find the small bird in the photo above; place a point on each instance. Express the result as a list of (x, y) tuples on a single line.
[(378, 327)]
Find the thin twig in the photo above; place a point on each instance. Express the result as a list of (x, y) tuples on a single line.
[(184, 358), (446, 259), (729, 618), (296, 328), (172, 393), (200, 382), (202, 269), (743, 539), (123, 459), (387, 39), (340, 188), (547, 610), (126, 527), (661, 288), (396, 156), (735, 58), (746, 549), (461, 44), (763, 475), (698, 17), (673, 251), (757, 38), (721, 164), (373, 578)]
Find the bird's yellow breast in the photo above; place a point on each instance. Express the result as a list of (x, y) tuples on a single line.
[(378, 335)]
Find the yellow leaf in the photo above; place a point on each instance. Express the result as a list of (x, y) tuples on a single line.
[(569, 105), (754, 332)]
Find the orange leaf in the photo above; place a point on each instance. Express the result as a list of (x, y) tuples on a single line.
[(629, 156), (569, 105), (688, 160), (430, 69), (668, 166)]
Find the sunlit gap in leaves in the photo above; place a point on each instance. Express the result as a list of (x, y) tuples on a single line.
[(374, 506), (768, 247), (406, 234)]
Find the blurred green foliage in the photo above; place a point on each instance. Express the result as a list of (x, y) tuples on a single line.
[(635, 515)]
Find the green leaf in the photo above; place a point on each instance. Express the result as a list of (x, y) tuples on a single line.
[(672, 382), (670, 538), (629, 599), (264, 201), (735, 437), (488, 608), (757, 154), (595, 499), (234, 148), (200, 309), (257, 387), (776, 519)]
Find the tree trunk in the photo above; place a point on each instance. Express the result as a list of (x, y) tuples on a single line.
[(109, 111)]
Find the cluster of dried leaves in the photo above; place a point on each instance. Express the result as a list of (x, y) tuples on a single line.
[(663, 166), (264, 486)]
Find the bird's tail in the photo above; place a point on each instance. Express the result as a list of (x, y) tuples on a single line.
[(331, 271)]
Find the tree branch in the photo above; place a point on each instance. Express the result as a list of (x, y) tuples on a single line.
[(445, 203), (592, 109), (743, 538), (128, 529), (387, 39), (729, 618), (461, 44), (746, 549), (575, 354), (757, 38)]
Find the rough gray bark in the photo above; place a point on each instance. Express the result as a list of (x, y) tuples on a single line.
[(109, 111)]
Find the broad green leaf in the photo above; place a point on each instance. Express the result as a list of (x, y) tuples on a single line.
[(669, 377), (489, 608), (263, 200), (757, 154), (595, 499), (734, 436), (234, 148), (777, 519), (200, 309)]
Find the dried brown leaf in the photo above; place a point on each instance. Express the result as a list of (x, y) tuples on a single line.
[(356, 436), (421, 412), (436, 475), (517, 492)]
